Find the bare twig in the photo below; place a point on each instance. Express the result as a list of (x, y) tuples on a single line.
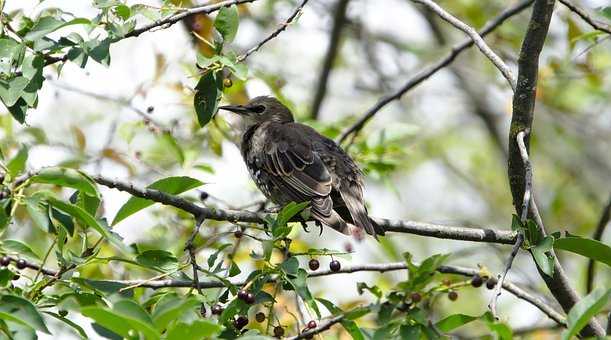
[(520, 238), (477, 39), (523, 111), (275, 33), (596, 24), (339, 19), (427, 72), (321, 328), (598, 233), (190, 248)]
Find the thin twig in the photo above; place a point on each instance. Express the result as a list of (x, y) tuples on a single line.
[(520, 239), (598, 233), (596, 24), (275, 33), (191, 250), (427, 72), (477, 39), (339, 20), (321, 328)]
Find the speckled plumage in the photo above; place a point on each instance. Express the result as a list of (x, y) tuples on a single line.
[(290, 161)]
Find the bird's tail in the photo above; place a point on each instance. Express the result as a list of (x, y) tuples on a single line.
[(354, 202)]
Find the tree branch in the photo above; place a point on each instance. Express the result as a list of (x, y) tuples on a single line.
[(163, 23), (596, 24), (275, 33), (375, 267), (523, 110), (410, 227), (339, 20), (427, 72), (477, 39), (520, 239)]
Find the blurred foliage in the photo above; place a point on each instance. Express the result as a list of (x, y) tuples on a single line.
[(56, 217)]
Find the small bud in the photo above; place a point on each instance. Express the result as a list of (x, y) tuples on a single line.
[(416, 297), (227, 82)]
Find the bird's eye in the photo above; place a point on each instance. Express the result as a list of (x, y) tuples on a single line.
[(257, 109)]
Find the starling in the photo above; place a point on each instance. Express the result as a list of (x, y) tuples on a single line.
[(290, 161)]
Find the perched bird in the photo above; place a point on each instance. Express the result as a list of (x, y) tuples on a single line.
[(290, 161)]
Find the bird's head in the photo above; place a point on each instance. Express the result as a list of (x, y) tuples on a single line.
[(262, 109)]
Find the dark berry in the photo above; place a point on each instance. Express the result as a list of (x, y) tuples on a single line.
[(227, 82), (240, 322), (15, 277), (238, 233), (260, 317), (62, 312), (150, 109), (217, 309), (348, 247), (202, 310), (453, 295), (314, 264), (21, 264), (312, 324), (242, 294), (335, 266), (250, 298), (477, 281), (203, 196), (278, 331), (416, 297), (491, 283), (5, 261)]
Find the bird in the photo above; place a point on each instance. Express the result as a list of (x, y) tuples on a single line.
[(292, 162)]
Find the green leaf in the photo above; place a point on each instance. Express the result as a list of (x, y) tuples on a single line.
[(158, 259), (289, 211), (543, 257), (502, 331), (301, 287), (227, 22), (454, 321), (198, 329), (20, 248), (584, 310), (47, 24), (20, 310), (174, 146), (124, 316), (70, 323), (171, 307), (349, 325), (66, 177), (593, 249), (169, 185), (123, 11), (290, 266), (85, 218), (206, 97), (38, 213), (17, 164)]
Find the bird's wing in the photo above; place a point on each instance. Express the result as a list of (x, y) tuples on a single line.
[(297, 170)]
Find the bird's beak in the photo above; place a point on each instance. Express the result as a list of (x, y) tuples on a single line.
[(239, 109)]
